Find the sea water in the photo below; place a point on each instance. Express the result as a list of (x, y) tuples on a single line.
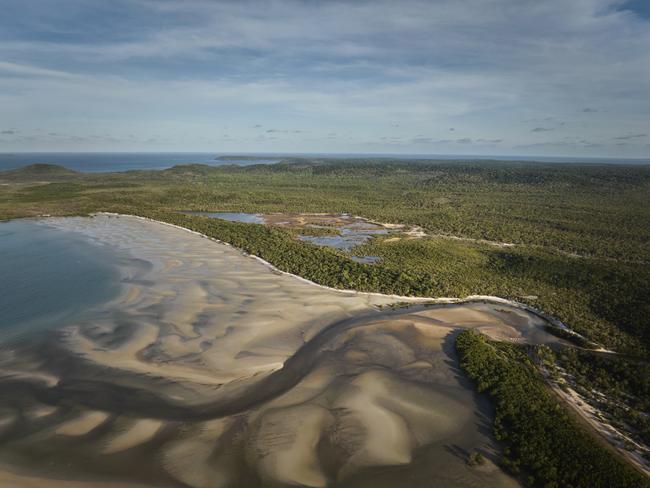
[(48, 276)]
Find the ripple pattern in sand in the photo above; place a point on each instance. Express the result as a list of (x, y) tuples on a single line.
[(213, 370)]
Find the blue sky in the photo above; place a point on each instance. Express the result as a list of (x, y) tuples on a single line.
[(501, 77)]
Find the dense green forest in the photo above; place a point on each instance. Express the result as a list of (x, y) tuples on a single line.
[(572, 240), (543, 443), (618, 387), (586, 209)]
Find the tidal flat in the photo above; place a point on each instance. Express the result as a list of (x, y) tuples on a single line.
[(209, 368)]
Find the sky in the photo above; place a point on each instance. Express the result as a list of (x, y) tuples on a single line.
[(483, 77)]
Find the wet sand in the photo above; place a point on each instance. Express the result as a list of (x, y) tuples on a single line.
[(211, 369)]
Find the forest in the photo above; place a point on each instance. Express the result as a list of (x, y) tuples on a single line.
[(618, 387), (543, 444)]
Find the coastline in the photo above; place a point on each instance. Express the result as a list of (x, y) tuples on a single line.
[(410, 299), (265, 362), (229, 349)]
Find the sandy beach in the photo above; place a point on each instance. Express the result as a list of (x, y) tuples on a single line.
[(211, 369)]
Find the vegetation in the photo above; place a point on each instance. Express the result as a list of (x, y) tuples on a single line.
[(582, 231), (572, 240), (324, 266), (543, 443), (475, 459), (570, 336), (606, 301), (618, 387), (587, 209)]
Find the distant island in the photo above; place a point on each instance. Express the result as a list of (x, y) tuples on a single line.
[(246, 158)]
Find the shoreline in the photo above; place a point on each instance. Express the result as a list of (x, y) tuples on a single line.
[(411, 299), (371, 376)]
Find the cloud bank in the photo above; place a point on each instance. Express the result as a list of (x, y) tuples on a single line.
[(335, 76)]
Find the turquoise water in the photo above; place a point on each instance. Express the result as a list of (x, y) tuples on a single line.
[(50, 276)]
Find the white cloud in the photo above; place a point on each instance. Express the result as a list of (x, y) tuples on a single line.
[(26, 70), (366, 67)]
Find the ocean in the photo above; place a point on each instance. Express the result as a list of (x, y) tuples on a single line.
[(113, 162), (98, 162), (50, 276)]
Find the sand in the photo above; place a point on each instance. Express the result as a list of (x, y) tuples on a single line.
[(13, 480), (82, 424), (212, 369), (139, 432), (224, 314)]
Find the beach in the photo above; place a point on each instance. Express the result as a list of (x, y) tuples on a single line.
[(211, 368)]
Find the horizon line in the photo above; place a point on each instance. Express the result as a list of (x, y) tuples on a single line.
[(339, 154)]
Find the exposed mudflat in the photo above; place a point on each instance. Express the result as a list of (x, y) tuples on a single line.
[(213, 370)]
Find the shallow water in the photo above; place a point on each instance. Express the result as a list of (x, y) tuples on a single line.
[(348, 238), (48, 276), (350, 234)]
